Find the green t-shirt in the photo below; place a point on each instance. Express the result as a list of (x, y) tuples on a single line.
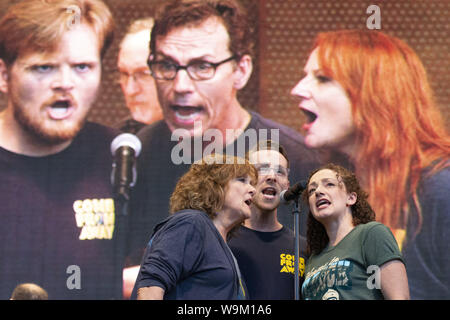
[(350, 270)]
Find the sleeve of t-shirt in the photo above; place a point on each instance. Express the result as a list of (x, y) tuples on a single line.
[(380, 245), (173, 255)]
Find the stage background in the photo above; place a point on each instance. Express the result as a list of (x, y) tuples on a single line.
[(284, 31)]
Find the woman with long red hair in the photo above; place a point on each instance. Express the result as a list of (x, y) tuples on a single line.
[(366, 96)]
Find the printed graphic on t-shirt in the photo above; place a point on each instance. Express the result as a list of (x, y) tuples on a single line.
[(287, 263), (95, 217), (321, 282)]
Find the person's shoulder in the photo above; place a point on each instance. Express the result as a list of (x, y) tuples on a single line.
[(287, 231), (188, 216), (290, 139), (154, 129), (94, 137), (436, 179), (374, 230), (260, 122), (434, 188), (371, 225)]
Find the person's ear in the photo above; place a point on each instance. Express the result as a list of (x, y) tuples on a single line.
[(244, 68), (351, 200), (3, 77)]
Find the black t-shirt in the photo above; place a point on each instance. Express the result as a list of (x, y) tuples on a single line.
[(266, 260), (59, 226), (188, 258)]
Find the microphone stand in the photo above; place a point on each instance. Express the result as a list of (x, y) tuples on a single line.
[(296, 213)]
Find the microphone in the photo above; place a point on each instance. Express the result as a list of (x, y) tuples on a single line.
[(293, 192), (125, 148)]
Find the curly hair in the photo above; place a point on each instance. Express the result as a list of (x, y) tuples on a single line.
[(362, 212), (203, 187)]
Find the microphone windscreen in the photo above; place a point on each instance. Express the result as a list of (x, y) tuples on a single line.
[(128, 140)]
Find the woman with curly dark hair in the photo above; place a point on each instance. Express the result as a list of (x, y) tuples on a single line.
[(352, 256), (187, 257)]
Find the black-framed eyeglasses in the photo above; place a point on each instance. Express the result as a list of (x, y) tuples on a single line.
[(197, 70)]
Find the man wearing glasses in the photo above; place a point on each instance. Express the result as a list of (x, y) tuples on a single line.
[(263, 247), (136, 82), (200, 59)]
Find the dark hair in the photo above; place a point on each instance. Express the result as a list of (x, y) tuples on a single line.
[(187, 13), (316, 235)]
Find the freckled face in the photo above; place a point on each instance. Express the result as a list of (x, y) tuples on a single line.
[(52, 93)]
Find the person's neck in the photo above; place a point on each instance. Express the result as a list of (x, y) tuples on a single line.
[(263, 221), (147, 115), (337, 229), (224, 224), (16, 139)]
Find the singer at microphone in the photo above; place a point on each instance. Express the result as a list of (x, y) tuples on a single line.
[(125, 148), (293, 192)]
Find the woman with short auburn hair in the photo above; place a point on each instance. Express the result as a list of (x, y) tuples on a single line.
[(187, 257)]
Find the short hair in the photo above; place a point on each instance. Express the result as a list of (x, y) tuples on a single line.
[(187, 13), (38, 25), (268, 145), (362, 212), (29, 291), (203, 186)]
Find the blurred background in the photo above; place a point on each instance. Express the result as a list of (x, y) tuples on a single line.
[(284, 31)]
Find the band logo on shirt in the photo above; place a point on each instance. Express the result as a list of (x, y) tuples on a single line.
[(287, 262), (95, 217)]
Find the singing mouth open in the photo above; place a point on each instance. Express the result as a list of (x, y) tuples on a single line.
[(187, 113), (322, 203), (60, 109), (310, 116)]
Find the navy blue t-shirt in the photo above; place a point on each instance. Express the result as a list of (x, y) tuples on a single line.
[(188, 258), (266, 260)]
